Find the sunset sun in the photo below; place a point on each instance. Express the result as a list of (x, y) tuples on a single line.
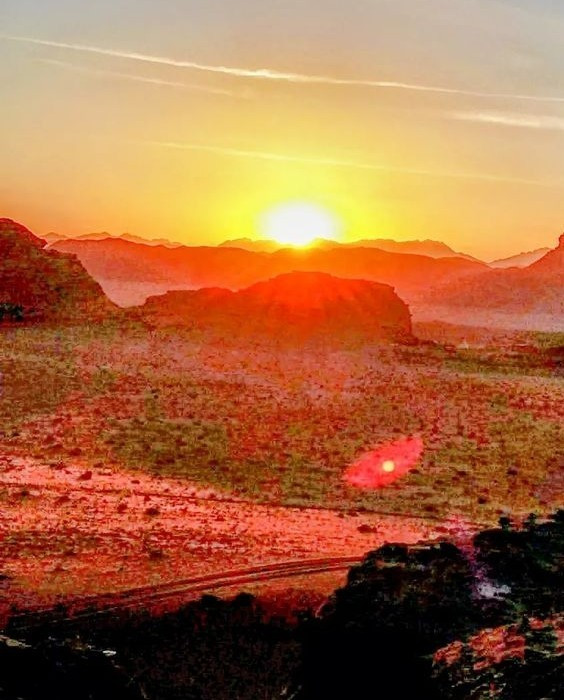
[(298, 224)]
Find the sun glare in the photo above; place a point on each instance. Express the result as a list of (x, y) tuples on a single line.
[(298, 224)]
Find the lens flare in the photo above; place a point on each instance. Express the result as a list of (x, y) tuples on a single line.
[(384, 465)]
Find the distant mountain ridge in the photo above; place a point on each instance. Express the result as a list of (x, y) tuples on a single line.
[(430, 248), (293, 306), (521, 259), (49, 281), (45, 284), (129, 272), (53, 238), (255, 245), (529, 298)]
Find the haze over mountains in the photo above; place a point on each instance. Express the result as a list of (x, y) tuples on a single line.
[(52, 238), (529, 298), (451, 288), (69, 274), (521, 259), (129, 273), (430, 248)]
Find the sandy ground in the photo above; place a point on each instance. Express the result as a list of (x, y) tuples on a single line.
[(73, 531)]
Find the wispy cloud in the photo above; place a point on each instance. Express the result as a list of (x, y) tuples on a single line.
[(526, 121), (144, 79), (271, 74), (339, 163)]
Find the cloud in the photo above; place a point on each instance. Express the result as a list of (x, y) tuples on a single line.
[(526, 121), (275, 75), (336, 162), (143, 79)]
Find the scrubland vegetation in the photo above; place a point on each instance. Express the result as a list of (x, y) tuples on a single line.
[(281, 425)]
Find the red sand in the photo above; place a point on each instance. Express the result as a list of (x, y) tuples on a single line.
[(63, 535)]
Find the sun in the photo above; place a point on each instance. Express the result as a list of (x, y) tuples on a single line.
[(299, 223)]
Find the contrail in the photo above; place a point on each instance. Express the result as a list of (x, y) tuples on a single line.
[(144, 79), (271, 74), (526, 121), (335, 162)]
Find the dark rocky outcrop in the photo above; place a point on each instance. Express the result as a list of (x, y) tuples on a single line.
[(435, 621), (38, 284), (50, 669), (295, 306)]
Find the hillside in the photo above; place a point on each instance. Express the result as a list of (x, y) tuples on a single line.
[(521, 259), (292, 306), (551, 264), (39, 284), (129, 273), (528, 298)]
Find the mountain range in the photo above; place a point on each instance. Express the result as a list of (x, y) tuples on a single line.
[(71, 277), (530, 298), (129, 272), (430, 248), (52, 238), (521, 259)]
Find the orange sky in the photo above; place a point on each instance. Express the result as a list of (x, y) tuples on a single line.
[(442, 119)]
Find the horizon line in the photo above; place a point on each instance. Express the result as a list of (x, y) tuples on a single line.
[(486, 259)]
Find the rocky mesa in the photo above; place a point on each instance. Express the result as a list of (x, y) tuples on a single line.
[(292, 306)]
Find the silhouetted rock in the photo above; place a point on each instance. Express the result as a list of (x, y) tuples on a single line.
[(44, 284), (294, 306), (528, 561), (425, 621), (374, 637), (50, 669)]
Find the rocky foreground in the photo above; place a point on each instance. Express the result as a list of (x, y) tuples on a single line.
[(432, 621)]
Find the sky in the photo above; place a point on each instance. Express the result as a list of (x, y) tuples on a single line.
[(189, 119)]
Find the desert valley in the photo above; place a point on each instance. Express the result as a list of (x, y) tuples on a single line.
[(264, 409), (281, 350)]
